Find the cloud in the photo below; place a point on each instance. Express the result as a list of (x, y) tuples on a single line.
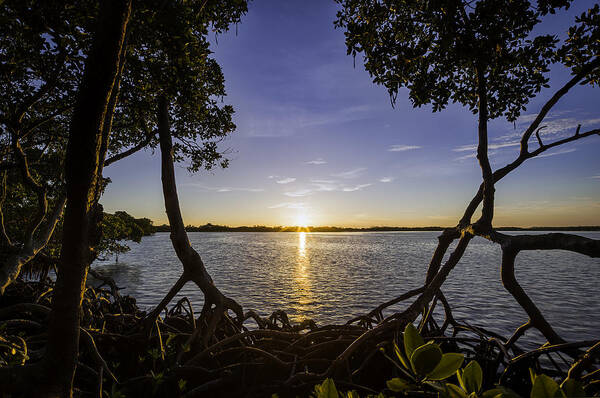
[(283, 120), (286, 180), (555, 127), (317, 161), (596, 177), (289, 205), (468, 156), (386, 179), (355, 187), (225, 189), (351, 173), (325, 185), (556, 153), (402, 148), (299, 193), (464, 148)]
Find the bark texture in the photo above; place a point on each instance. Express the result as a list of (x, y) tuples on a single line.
[(82, 212)]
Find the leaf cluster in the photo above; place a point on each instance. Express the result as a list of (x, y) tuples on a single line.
[(437, 48)]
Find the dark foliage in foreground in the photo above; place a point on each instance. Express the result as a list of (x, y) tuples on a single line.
[(119, 357)]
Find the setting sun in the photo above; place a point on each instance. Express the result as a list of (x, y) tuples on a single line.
[(301, 220)]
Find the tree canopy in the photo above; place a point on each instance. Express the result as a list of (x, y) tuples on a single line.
[(43, 47), (436, 48)]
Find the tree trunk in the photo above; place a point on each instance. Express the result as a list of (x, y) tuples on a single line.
[(82, 164), (193, 267)]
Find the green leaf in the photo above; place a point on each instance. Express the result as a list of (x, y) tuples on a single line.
[(448, 365), (572, 388), (398, 385), (401, 356), (471, 377), (352, 394), (326, 389), (454, 391), (412, 340), (544, 387), (425, 358), (500, 392)]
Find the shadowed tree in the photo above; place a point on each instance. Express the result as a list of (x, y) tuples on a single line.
[(484, 56), (43, 50), (187, 75)]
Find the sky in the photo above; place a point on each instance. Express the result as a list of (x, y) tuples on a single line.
[(317, 143)]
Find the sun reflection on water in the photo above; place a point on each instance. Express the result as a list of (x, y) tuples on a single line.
[(302, 244), (303, 295)]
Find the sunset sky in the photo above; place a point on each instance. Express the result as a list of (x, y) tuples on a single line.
[(318, 143)]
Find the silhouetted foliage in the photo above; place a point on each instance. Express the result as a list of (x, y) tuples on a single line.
[(433, 48)]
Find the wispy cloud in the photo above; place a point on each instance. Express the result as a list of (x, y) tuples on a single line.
[(289, 205), (317, 161), (473, 155), (545, 155), (467, 156), (299, 193), (355, 187), (464, 148), (326, 185), (555, 127), (354, 173), (277, 120), (402, 148), (386, 179), (225, 189), (596, 177), (286, 180)]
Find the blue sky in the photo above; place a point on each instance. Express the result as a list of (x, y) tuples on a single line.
[(318, 143)]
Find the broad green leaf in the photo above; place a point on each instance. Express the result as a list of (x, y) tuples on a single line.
[(412, 340), (544, 387), (425, 358), (572, 388), (471, 377), (448, 365), (398, 385), (326, 389), (454, 391)]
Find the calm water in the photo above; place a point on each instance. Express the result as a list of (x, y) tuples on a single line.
[(331, 277)]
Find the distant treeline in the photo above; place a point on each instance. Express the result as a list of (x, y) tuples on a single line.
[(261, 228)]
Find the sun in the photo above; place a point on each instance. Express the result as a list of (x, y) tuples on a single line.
[(301, 220)]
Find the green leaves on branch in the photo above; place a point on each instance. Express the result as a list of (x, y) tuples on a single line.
[(327, 389), (424, 361), (426, 368), (544, 386), (471, 377)]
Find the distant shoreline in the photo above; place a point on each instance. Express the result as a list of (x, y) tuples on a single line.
[(260, 228)]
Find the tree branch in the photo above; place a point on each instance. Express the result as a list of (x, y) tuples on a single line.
[(584, 71), (193, 267), (12, 267)]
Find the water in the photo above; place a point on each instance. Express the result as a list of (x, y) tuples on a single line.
[(331, 277)]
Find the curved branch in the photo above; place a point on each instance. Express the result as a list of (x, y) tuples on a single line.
[(193, 267), (512, 286), (584, 71), (12, 267)]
